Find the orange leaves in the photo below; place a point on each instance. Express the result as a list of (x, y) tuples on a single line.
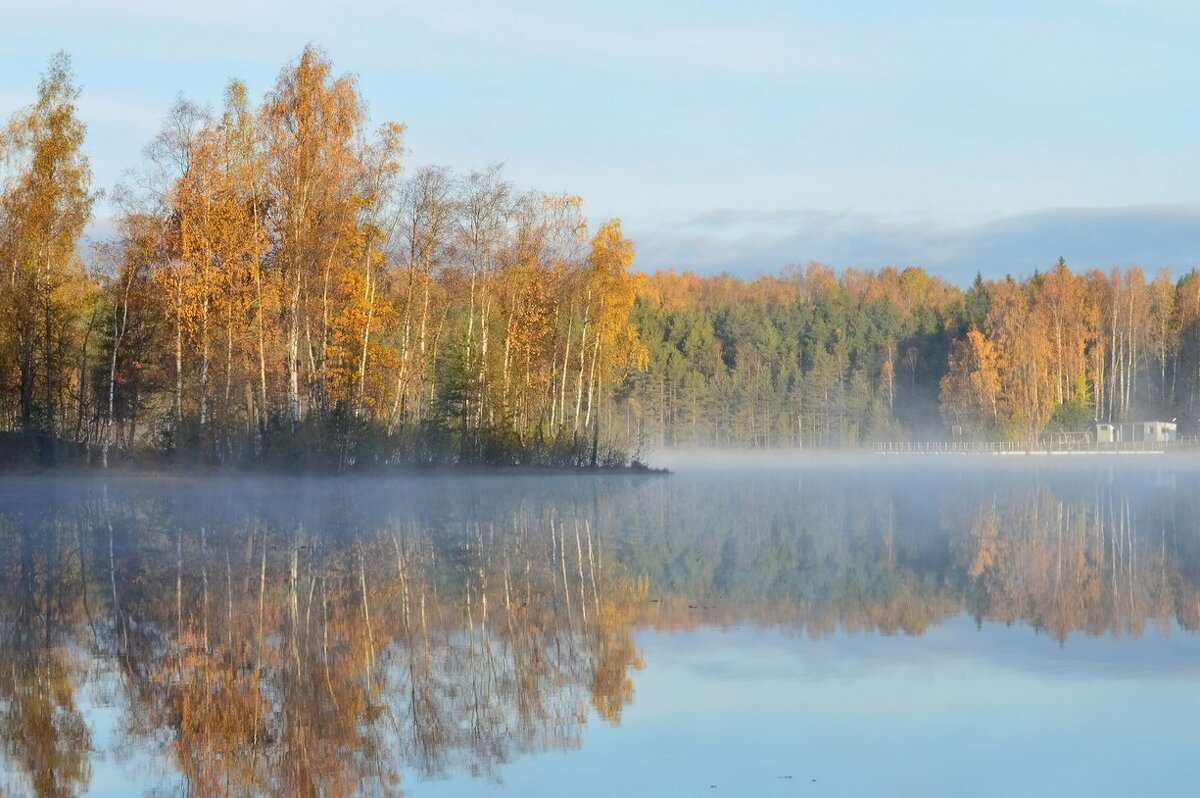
[(45, 201), (613, 290), (971, 388), (1067, 320), (288, 273)]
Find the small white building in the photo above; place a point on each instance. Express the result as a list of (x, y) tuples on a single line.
[(1136, 432)]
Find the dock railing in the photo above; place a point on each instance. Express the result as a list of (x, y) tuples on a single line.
[(1007, 447)]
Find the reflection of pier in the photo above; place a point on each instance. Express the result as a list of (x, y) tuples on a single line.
[(1044, 447)]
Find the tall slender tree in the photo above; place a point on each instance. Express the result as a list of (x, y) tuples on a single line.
[(45, 202)]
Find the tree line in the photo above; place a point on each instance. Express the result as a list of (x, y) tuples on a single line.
[(277, 288), (812, 358)]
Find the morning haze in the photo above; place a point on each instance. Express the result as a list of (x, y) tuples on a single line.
[(464, 635), (638, 399)]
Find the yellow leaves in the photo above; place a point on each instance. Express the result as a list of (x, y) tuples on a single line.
[(216, 238), (47, 201), (971, 387), (614, 290), (387, 150), (985, 381), (287, 271), (819, 279)]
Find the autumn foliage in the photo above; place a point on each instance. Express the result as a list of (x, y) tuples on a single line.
[(280, 289)]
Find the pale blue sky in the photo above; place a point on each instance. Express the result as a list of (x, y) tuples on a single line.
[(739, 136)]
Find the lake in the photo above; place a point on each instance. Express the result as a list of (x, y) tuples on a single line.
[(844, 626)]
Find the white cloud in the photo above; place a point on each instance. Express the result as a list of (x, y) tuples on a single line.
[(749, 243)]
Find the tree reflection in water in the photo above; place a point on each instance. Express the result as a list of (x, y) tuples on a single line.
[(292, 637)]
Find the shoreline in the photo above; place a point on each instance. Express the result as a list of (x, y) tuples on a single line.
[(203, 472)]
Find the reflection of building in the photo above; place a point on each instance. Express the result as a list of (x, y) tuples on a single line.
[(1136, 432)]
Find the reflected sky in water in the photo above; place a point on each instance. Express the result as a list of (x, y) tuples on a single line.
[(750, 711), (845, 629)]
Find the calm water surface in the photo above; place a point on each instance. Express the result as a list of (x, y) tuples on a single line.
[(848, 627)]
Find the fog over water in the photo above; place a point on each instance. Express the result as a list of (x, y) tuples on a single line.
[(768, 625)]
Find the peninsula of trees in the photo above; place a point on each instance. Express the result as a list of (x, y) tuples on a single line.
[(275, 291), (278, 289)]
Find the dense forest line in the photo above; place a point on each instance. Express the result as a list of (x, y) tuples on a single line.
[(277, 288), (814, 358)]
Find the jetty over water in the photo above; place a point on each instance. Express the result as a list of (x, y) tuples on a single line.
[(1125, 437), (1045, 447)]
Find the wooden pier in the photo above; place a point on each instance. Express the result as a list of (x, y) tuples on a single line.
[(1029, 448)]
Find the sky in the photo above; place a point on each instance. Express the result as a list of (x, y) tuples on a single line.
[(738, 137)]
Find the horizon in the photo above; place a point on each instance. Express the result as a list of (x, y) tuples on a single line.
[(991, 140)]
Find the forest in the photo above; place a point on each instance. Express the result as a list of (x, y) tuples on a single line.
[(278, 288), (813, 358)]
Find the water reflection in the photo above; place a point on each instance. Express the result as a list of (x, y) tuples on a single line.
[(296, 637), (270, 658)]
